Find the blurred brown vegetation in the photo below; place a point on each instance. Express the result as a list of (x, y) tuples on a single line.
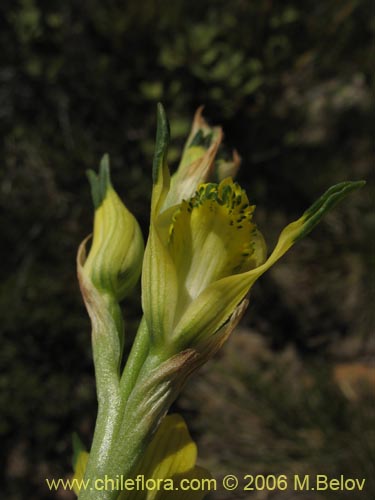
[(290, 83)]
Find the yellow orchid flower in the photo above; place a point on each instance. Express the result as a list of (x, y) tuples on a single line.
[(205, 253), (166, 469)]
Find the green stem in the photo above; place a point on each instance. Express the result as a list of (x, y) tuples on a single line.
[(123, 431), (135, 361), (129, 408)]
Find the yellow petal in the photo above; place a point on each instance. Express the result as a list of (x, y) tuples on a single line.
[(159, 284), (159, 288)]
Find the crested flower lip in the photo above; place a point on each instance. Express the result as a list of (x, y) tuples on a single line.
[(212, 236), (204, 253)]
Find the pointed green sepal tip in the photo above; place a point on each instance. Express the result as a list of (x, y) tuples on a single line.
[(78, 448), (328, 200), (100, 183), (162, 141)]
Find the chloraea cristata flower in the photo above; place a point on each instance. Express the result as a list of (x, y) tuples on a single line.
[(204, 251)]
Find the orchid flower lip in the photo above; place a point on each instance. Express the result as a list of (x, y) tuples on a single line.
[(212, 236)]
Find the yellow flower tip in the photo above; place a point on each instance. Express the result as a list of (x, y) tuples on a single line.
[(115, 258)]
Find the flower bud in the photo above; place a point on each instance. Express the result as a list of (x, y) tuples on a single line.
[(115, 259)]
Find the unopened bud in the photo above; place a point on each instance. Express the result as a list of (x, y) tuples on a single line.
[(115, 259)]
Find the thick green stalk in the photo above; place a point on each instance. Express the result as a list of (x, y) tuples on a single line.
[(124, 429), (130, 407), (107, 346)]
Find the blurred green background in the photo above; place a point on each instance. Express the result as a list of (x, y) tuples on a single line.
[(290, 83)]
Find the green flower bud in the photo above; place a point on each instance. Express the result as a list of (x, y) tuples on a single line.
[(115, 259)]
